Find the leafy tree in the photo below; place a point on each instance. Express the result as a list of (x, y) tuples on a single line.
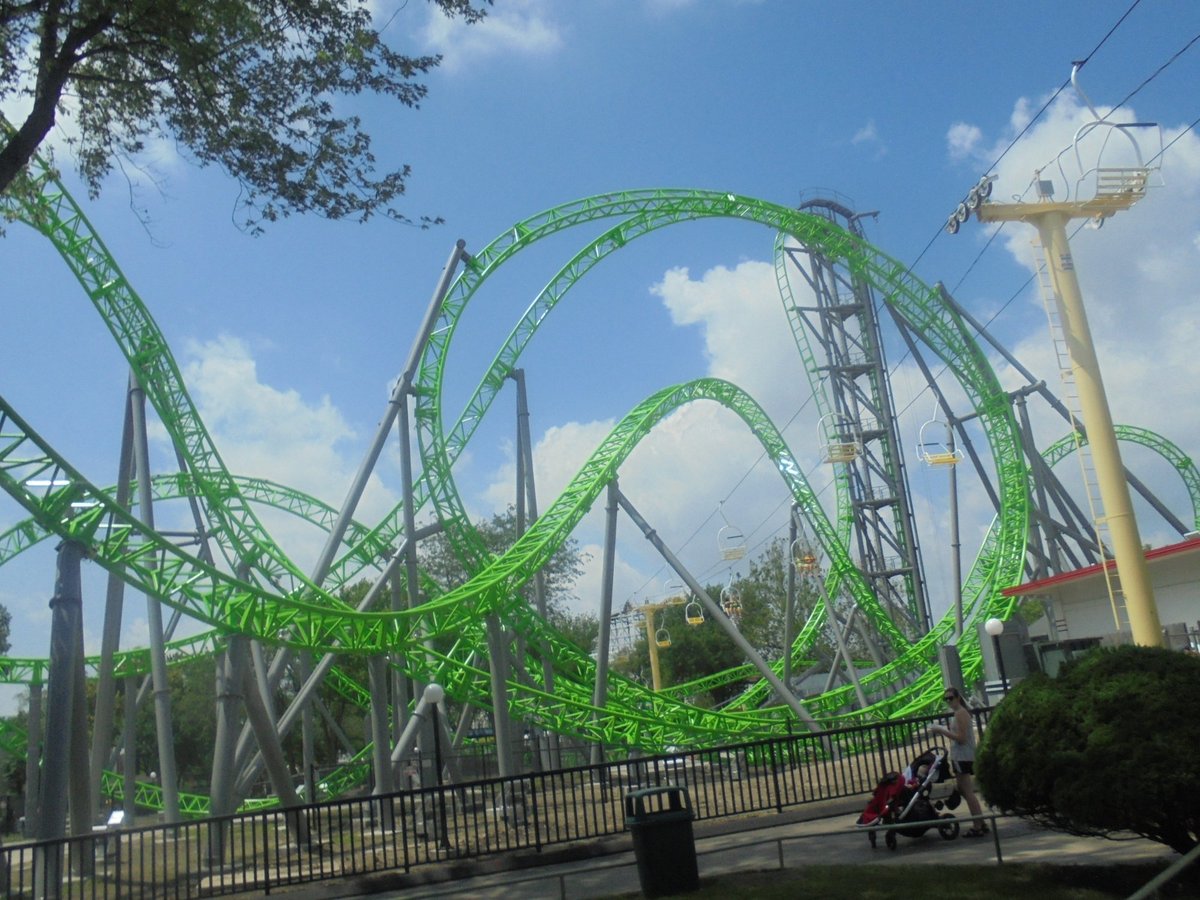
[(5, 629), (702, 650), (253, 87), (439, 561), (1107, 746), (581, 628)]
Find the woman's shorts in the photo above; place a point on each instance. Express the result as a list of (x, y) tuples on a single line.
[(963, 766)]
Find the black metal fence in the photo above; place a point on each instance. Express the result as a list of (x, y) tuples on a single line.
[(261, 851)]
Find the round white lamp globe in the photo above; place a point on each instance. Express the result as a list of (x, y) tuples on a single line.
[(434, 693), (994, 627)]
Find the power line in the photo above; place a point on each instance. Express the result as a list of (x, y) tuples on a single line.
[(991, 239)]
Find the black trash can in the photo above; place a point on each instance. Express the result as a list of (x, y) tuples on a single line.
[(660, 820)]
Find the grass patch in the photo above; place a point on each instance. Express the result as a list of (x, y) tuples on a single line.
[(1045, 881)]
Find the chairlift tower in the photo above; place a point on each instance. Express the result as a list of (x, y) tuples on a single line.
[(1116, 189), (845, 327)]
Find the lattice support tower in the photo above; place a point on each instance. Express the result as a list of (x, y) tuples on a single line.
[(845, 327)]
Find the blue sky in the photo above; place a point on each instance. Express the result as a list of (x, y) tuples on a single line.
[(290, 341)]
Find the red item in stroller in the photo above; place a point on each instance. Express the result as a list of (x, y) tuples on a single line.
[(905, 797)]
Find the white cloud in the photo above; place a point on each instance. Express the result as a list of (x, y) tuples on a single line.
[(746, 338), (264, 432), (963, 140), (868, 136), (514, 28)]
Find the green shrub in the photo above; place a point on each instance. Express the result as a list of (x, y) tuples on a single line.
[(1110, 745)]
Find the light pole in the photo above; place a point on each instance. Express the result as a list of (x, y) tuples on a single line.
[(995, 628)]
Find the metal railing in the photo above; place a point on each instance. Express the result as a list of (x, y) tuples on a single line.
[(265, 850)]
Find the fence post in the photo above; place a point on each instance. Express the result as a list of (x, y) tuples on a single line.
[(536, 816), (266, 853), (883, 765), (775, 777)]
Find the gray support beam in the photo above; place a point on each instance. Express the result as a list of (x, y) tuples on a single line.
[(158, 652), (402, 752), (527, 497), (262, 674), (66, 611), (110, 640), (277, 771), (395, 407), (230, 674), (307, 738), (270, 751), (327, 717), (600, 689), (129, 752), (719, 616), (400, 692), (81, 793), (381, 766), (498, 665), (33, 758), (789, 611)]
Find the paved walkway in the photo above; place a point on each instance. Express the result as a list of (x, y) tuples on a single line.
[(825, 835)]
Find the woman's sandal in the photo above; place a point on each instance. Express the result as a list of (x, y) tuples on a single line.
[(974, 832)]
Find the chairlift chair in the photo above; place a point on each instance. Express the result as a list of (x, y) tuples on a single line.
[(662, 637), (693, 613), (936, 452), (731, 601), (730, 540), (840, 440), (1117, 187), (804, 559)]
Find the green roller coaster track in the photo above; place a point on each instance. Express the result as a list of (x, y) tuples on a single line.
[(310, 618), (279, 604)]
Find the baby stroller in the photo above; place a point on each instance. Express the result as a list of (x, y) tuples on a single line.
[(905, 797)]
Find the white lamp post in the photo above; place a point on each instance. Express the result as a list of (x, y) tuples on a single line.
[(995, 627)]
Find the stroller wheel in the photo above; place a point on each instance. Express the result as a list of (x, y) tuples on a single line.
[(871, 838), (949, 827), (890, 840)]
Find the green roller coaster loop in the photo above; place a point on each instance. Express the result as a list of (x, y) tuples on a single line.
[(286, 615), (1144, 437), (940, 327)]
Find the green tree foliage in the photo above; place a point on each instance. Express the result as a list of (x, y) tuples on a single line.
[(191, 683), (698, 651), (439, 561), (5, 629), (253, 87), (1108, 746)]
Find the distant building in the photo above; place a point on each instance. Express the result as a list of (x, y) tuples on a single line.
[(1080, 614)]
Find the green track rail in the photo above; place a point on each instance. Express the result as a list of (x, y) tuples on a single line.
[(278, 604)]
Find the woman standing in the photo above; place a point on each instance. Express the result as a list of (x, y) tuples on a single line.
[(962, 755)]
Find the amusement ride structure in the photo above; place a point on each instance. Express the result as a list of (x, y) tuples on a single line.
[(265, 617)]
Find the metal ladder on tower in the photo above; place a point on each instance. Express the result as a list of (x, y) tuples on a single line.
[(1070, 397)]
